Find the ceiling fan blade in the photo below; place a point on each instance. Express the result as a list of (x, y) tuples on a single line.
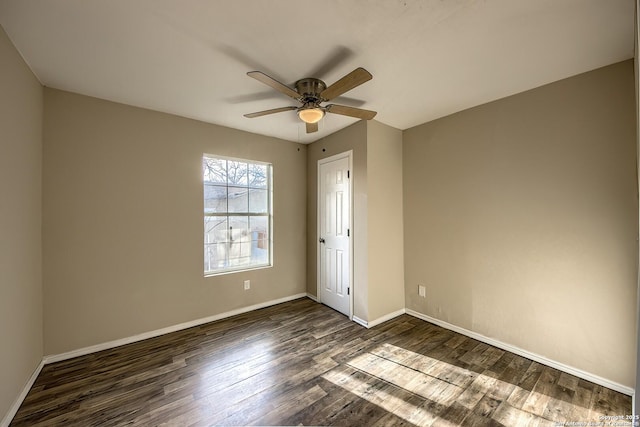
[(269, 81), (312, 127), (348, 82), (351, 111), (265, 112)]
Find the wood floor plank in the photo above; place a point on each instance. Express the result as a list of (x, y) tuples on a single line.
[(291, 406), (301, 363), (317, 413)]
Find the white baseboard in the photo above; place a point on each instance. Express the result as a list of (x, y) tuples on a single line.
[(312, 297), (527, 354), (386, 318), (359, 321), (16, 404), (379, 320), (151, 334)]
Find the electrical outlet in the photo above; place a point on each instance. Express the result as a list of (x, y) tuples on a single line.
[(422, 291), (247, 285)]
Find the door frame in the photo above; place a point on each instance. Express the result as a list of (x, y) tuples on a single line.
[(349, 155)]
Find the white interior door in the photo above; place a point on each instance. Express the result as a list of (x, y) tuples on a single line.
[(334, 223)]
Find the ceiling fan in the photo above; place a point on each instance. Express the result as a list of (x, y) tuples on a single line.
[(311, 92)]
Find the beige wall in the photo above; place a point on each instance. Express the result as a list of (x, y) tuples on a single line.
[(20, 224), (636, 31), (385, 222), (123, 228), (521, 218), (352, 138)]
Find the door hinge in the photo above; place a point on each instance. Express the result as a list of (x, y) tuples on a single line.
[(348, 232), (348, 174), (348, 291)]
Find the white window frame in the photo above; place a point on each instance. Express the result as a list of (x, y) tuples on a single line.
[(228, 214)]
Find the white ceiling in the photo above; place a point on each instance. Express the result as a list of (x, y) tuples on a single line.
[(429, 58)]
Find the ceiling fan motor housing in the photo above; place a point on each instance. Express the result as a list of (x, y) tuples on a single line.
[(310, 90)]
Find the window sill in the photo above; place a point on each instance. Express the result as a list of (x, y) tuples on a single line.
[(236, 270)]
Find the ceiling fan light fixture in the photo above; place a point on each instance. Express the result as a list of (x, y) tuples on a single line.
[(311, 115)]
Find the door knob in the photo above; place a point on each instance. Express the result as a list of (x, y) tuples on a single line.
[(321, 240)]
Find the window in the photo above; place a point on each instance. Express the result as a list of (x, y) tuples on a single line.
[(237, 214)]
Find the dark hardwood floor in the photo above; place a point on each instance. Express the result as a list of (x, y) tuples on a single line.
[(301, 363)]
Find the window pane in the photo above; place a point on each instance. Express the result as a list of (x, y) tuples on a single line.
[(237, 173), (239, 226), (259, 223), (215, 256), (216, 238), (240, 241), (214, 170), (258, 202), (238, 199), (215, 198), (258, 176), (259, 226), (215, 229)]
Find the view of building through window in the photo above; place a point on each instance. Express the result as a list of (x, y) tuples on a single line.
[(237, 214)]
